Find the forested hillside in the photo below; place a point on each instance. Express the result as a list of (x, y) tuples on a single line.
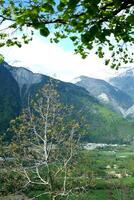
[(97, 123)]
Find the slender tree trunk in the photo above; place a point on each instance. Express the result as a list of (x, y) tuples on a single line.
[(53, 197)]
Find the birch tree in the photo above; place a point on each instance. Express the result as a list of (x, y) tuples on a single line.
[(45, 145)]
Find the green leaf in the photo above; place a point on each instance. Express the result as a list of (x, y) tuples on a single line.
[(1, 58), (2, 44), (73, 38), (107, 61), (47, 8), (61, 6), (44, 31), (130, 19)]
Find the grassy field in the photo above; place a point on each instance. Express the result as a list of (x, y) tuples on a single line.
[(108, 174)]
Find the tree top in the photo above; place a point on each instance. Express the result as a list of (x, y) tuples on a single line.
[(91, 24)]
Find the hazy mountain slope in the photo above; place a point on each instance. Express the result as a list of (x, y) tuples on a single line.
[(107, 94), (125, 82), (97, 123)]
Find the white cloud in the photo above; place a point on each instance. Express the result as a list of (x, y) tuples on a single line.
[(42, 57)]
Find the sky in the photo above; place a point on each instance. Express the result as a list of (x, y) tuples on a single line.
[(56, 60)]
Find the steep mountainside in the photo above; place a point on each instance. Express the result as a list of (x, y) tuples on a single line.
[(10, 101), (24, 78), (125, 82), (97, 122), (107, 94)]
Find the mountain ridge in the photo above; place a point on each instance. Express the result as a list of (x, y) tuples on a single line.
[(125, 82), (97, 123), (107, 94)]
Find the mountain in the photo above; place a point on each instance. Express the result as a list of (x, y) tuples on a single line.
[(107, 94), (125, 82), (24, 79), (10, 101), (97, 122)]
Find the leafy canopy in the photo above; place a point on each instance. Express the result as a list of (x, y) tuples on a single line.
[(90, 24)]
